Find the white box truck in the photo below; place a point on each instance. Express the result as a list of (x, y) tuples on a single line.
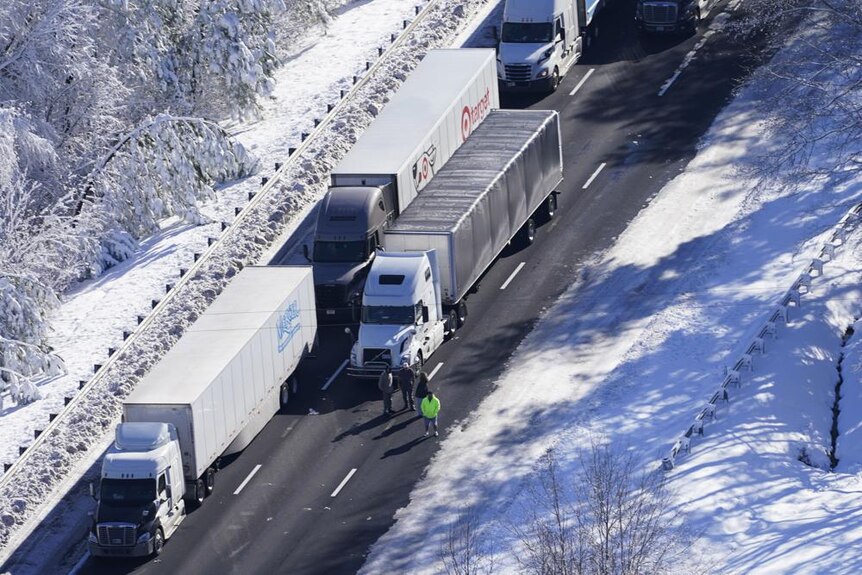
[(492, 189), (440, 104), (207, 397), (541, 39)]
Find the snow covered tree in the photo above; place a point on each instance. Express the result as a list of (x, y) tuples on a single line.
[(815, 105)]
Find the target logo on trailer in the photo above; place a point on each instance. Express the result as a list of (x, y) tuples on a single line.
[(472, 115), (423, 168)]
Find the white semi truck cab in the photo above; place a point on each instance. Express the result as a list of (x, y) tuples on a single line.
[(540, 40), (402, 315), (140, 496)]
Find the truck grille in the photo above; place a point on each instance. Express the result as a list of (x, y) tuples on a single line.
[(376, 355), (659, 13), (115, 535), (330, 296), (518, 72)]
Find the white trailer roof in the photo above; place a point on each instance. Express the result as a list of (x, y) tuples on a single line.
[(417, 107), (219, 334)]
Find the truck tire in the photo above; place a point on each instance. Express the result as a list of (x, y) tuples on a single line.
[(549, 207), (284, 394), (199, 492), (452, 323), (462, 314), (555, 79), (158, 542), (209, 481), (527, 233)]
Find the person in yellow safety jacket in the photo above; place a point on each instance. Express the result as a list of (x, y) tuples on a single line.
[(430, 407)]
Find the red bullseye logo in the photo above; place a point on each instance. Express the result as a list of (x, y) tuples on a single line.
[(425, 169), (466, 123)]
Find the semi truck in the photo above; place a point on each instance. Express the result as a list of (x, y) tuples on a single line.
[(493, 188), (440, 104), (540, 40), (208, 397), (671, 16)]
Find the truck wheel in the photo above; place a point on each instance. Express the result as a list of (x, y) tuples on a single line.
[(451, 323), (158, 542), (200, 492), (284, 394), (528, 233), (209, 480), (549, 207), (462, 314), (555, 79)]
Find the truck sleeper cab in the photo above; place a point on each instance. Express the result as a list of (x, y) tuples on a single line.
[(140, 502), (401, 315), (350, 224)]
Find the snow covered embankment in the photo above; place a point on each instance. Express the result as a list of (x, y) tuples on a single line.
[(68, 448)]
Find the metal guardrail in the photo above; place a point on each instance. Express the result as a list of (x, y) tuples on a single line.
[(733, 376), (359, 82)]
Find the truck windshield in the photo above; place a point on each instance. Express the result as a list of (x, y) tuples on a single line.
[(524, 33), (331, 252), (127, 492), (389, 314)]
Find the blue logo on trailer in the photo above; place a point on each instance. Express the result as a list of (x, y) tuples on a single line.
[(288, 325)]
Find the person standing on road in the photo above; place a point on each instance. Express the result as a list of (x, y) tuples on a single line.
[(384, 384), (421, 390), (430, 407), (406, 378)]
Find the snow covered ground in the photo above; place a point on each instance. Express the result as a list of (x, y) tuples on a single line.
[(635, 349), (629, 354)]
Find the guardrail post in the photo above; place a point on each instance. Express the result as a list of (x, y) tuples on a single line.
[(224, 226), (82, 382), (211, 241), (278, 166), (745, 361), (155, 302), (237, 211), (67, 400), (697, 427), (251, 195), (112, 351), (817, 265), (263, 181), (829, 251), (141, 319)]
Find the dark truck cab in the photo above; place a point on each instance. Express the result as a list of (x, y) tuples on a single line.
[(671, 16), (349, 229)]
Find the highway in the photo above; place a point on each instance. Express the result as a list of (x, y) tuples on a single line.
[(323, 480)]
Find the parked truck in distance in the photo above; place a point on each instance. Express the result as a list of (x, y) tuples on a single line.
[(442, 101), (540, 40), (671, 16), (492, 189), (207, 397)]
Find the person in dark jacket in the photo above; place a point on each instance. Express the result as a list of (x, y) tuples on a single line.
[(386, 387), (406, 379), (421, 389)]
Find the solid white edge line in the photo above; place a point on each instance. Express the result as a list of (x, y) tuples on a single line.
[(511, 277), (595, 174), (334, 375), (582, 82), (435, 370), (247, 479), (80, 564), (343, 482)]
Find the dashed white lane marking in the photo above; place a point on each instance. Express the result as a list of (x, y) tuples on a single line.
[(685, 62), (582, 82), (334, 375), (514, 273), (595, 174), (343, 482), (435, 370), (247, 479)]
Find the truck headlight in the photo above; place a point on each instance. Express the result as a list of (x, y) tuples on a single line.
[(542, 74), (144, 537)]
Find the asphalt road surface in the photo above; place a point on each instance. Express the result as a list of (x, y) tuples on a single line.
[(314, 491)]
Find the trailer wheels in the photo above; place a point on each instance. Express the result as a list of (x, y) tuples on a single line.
[(452, 323), (158, 542), (200, 493), (527, 233), (209, 480), (462, 314), (549, 207)]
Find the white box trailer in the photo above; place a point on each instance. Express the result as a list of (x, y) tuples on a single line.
[(439, 105), (225, 377)]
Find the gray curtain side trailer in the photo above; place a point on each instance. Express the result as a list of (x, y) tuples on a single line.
[(482, 197)]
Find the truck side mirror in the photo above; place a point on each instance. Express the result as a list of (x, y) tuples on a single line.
[(349, 332), (424, 313), (305, 251)]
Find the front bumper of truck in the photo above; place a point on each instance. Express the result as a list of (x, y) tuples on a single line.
[(142, 549)]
